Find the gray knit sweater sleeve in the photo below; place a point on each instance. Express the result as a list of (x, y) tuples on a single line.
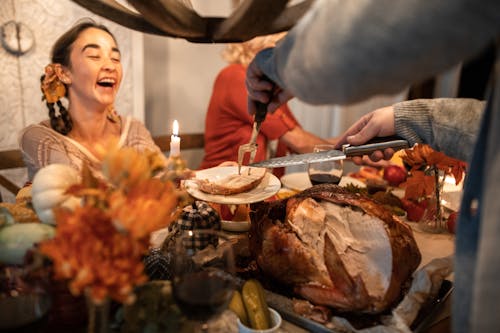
[(345, 51), (449, 125)]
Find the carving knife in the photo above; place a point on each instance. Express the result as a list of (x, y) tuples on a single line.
[(371, 146), (251, 146)]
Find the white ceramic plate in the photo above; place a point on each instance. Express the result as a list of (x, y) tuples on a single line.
[(269, 186), (235, 226), (299, 181)]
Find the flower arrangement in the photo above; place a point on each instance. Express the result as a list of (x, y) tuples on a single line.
[(100, 244), (427, 170)]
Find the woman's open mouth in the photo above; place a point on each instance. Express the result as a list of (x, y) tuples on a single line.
[(106, 82)]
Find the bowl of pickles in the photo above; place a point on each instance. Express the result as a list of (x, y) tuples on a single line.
[(254, 316)]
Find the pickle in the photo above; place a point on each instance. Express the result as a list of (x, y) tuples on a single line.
[(256, 305), (236, 305)]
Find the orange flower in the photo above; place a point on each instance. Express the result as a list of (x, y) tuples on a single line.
[(125, 167), (424, 162), (53, 89), (99, 246), (151, 202), (419, 185), (88, 250)]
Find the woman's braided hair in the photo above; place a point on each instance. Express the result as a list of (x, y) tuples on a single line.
[(60, 120)]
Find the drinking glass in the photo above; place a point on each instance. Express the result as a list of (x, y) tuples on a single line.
[(203, 275), (328, 172)]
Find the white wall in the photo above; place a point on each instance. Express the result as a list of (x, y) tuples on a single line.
[(20, 97), (192, 70), (178, 80), (179, 76)]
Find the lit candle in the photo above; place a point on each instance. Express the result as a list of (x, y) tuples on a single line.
[(175, 140)]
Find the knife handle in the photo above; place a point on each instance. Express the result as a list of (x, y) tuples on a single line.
[(261, 112), (378, 143), (261, 108)]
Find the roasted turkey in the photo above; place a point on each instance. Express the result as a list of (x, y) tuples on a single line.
[(335, 248)]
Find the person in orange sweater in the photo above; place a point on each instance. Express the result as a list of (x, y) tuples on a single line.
[(228, 124)]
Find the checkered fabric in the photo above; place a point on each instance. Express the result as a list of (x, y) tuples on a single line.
[(198, 215), (158, 265)]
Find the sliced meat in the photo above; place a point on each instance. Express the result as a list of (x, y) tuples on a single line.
[(335, 248), (234, 183)]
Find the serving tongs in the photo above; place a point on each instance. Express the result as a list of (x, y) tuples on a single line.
[(251, 146)]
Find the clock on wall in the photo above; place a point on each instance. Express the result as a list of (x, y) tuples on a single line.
[(17, 38)]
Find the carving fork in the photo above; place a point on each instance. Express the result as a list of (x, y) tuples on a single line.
[(251, 146)]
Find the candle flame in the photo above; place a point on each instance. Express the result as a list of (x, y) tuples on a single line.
[(175, 128)]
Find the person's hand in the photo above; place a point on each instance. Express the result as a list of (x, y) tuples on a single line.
[(300, 141), (377, 123), (228, 163), (261, 89)]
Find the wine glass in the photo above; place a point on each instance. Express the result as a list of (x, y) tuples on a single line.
[(327, 172), (203, 275)]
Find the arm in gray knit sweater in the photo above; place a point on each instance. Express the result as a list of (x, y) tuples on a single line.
[(345, 51), (449, 125)]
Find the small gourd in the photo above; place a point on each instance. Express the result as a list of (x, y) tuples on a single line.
[(16, 239), (48, 190)]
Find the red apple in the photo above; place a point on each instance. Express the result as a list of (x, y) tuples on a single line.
[(451, 223), (394, 174), (414, 211)]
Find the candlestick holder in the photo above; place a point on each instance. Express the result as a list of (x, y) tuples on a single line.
[(176, 169)]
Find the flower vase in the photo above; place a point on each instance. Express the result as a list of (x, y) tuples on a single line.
[(433, 220), (98, 315)]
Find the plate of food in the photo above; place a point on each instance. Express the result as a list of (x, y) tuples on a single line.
[(225, 186), (299, 181), (235, 226)]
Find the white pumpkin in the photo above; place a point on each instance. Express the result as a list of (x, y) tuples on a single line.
[(48, 189)]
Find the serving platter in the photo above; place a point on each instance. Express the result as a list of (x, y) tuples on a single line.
[(284, 305), (268, 187), (299, 181)]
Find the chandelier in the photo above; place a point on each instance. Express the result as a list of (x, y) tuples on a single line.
[(177, 18)]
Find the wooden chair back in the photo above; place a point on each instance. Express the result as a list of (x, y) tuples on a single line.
[(10, 159)]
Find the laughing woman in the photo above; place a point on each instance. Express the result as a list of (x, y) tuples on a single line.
[(86, 69)]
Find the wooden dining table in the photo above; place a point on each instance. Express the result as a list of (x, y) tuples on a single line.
[(431, 245)]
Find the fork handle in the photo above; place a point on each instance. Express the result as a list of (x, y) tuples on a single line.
[(261, 112), (261, 108)]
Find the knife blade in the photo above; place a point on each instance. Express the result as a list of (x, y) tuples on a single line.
[(381, 143)]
